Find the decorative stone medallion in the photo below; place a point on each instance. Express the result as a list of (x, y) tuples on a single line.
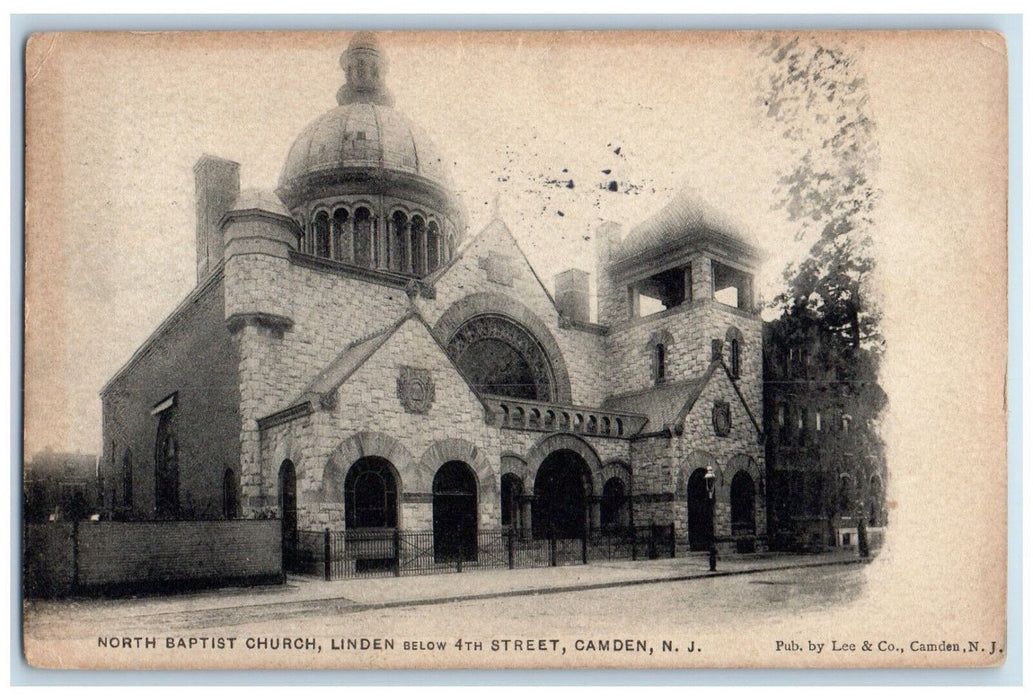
[(722, 418), (415, 389)]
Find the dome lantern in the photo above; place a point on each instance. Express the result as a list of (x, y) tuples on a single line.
[(365, 67)]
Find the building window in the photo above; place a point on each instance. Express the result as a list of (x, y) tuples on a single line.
[(801, 425), (166, 469), (398, 255), (229, 495), (342, 238), (734, 358), (370, 494), (817, 421), (362, 238), (433, 247), (127, 479), (659, 359), (322, 234)]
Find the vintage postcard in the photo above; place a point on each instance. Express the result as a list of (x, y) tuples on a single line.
[(356, 350)]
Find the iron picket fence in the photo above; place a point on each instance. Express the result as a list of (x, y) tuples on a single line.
[(371, 553)]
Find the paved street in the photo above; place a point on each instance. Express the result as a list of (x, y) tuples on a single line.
[(656, 600)]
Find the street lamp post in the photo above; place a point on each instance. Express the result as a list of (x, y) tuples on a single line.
[(709, 478)]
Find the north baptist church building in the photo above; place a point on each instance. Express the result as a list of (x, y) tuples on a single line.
[(354, 357)]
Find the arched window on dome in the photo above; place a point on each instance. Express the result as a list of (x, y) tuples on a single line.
[(450, 244), (342, 236), (322, 234), (363, 237), (433, 247), (398, 254), (418, 241)]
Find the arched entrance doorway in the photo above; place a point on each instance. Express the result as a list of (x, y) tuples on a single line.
[(288, 502), (613, 511), (562, 488), (744, 519), (701, 527), (455, 513)]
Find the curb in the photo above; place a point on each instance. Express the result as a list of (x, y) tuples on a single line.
[(442, 600)]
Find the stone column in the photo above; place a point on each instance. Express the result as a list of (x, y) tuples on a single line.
[(525, 514), (595, 507)]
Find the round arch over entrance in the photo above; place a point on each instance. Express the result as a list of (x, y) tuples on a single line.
[(743, 494), (562, 489), (701, 526), (455, 513)]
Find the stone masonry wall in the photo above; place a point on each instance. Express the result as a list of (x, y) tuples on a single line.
[(369, 419), (493, 262)]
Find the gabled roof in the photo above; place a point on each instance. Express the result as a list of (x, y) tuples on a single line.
[(351, 359), (665, 405)]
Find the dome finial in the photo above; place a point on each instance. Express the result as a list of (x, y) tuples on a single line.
[(364, 67)]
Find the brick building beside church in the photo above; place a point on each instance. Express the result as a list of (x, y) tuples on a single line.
[(354, 357)]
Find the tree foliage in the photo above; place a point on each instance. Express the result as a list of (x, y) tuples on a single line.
[(818, 103)]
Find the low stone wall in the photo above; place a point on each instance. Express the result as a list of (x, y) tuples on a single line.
[(116, 558)]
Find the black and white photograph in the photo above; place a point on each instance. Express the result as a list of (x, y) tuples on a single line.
[(529, 349)]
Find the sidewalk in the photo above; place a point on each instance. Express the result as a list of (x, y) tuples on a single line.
[(372, 593)]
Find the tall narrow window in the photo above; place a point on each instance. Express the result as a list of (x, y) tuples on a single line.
[(734, 358), (817, 421), (418, 241), (363, 238), (399, 249), (342, 237), (166, 468), (322, 230), (433, 247), (660, 360), (229, 495), (127, 479)]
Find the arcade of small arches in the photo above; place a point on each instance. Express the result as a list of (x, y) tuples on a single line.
[(413, 243), (568, 494)]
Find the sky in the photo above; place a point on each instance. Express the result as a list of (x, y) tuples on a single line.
[(117, 122), (513, 114)]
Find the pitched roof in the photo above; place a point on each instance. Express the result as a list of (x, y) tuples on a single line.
[(350, 360), (687, 218), (665, 405)]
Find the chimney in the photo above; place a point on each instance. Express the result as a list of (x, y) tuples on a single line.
[(612, 301), (216, 186), (572, 295)]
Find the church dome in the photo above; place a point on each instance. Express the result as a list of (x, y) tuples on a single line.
[(365, 145), (686, 220), (366, 185), (363, 136)]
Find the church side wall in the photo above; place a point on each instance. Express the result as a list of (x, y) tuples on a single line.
[(195, 357)]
